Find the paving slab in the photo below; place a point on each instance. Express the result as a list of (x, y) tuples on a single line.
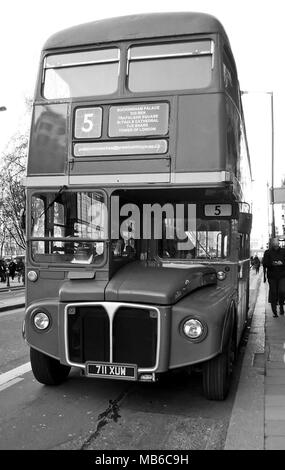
[(275, 443), (274, 428), (275, 372), (275, 412), (275, 400), (277, 380)]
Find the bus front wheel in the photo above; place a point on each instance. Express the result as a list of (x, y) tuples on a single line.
[(217, 373), (47, 370)]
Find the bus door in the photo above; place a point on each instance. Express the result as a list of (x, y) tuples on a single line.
[(244, 225)]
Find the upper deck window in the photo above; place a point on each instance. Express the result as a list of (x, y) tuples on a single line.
[(230, 77), (78, 74), (175, 66)]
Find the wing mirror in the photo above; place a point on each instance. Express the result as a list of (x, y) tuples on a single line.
[(244, 222)]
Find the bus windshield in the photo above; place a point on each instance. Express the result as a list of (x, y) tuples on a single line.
[(68, 227), (209, 240)]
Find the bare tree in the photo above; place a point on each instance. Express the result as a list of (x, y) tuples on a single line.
[(12, 196)]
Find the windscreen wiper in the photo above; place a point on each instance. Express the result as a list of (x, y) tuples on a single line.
[(59, 192)]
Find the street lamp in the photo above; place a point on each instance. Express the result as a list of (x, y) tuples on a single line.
[(272, 164), (270, 93)]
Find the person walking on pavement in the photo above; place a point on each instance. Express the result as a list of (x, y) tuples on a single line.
[(12, 269), (20, 268), (2, 271), (256, 264), (274, 268)]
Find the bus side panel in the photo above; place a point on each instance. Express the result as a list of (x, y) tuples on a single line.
[(49, 140), (209, 305), (201, 139), (47, 286), (44, 341)]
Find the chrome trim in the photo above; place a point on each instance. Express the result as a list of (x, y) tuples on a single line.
[(39, 181), (54, 61), (171, 56), (141, 178), (111, 308), (173, 49), (202, 177)]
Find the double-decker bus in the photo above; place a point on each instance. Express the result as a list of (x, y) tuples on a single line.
[(138, 208)]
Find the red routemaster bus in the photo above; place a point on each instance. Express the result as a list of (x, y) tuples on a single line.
[(138, 210)]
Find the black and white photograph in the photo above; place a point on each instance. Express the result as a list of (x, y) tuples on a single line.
[(142, 231)]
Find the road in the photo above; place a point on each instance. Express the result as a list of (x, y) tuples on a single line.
[(92, 414)]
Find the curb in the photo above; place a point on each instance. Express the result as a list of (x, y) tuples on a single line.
[(12, 307), (246, 427), (8, 289)]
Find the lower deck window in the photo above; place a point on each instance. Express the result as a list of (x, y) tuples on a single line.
[(209, 240), (68, 227)]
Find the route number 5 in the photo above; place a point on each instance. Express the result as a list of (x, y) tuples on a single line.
[(88, 123), (218, 210)]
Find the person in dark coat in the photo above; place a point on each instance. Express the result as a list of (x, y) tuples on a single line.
[(274, 268), (12, 269), (2, 271), (256, 264), (20, 268)]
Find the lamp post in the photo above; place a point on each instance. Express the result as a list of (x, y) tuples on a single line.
[(270, 93), (272, 164)]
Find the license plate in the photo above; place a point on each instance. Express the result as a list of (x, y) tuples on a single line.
[(112, 371)]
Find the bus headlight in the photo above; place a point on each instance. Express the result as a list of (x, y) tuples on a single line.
[(193, 328), (32, 276), (41, 320)]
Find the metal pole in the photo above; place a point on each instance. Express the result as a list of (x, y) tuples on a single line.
[(271, 191), (272, 166)]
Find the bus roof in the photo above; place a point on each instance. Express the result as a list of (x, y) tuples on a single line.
[(136, 27)]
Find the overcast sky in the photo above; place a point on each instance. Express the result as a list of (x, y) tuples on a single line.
[(255, 29)]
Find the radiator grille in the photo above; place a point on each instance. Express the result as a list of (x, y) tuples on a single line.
[(88, 335), (134, 338)]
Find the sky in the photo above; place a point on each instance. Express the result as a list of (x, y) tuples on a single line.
[(255, 30)]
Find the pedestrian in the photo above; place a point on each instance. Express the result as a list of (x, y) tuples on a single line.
[(2, 271), (274, 270), (12, 269), (20, 268), (256, 263)]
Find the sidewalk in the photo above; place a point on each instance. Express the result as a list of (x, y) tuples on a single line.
[(258, 415), (12, 297)]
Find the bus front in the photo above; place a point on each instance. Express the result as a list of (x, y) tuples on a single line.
[(133, 205)]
